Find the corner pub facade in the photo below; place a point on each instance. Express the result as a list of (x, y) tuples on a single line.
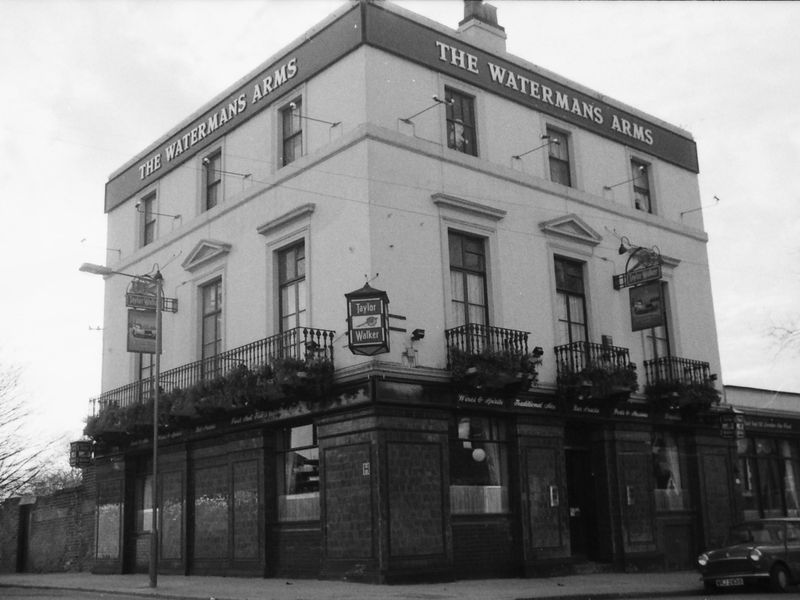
[(430, 312)]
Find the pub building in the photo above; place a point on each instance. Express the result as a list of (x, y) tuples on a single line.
[(429, 311)]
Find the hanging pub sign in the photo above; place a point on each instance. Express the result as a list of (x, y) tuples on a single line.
[(80, 454), (647, 306), (368, 321), (142, 331)]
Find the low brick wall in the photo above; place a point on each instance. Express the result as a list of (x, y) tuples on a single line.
[(9, 527), (60, 531)]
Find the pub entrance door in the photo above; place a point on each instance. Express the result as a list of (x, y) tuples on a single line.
[(581, 494)]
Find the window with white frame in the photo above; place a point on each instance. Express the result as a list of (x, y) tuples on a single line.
[(657, 338), (211, 326), (291, 132), (148, 220), (461, 126), (468, 303), (212, 165), (292, 286), (559, 157), (571, 301), (640, 178)]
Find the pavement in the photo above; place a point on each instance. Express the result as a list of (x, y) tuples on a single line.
[(570, 587)]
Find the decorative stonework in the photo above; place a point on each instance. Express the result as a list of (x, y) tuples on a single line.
[(572, 227), (204, 252)]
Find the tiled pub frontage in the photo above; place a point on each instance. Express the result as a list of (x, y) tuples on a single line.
[(390, 474)]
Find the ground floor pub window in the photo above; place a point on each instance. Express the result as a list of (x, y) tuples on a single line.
[(670, 472), (768, 475), (144, 504), (298, 479), (479, 466)]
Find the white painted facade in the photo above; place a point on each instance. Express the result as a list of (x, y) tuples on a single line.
[(374, 197)]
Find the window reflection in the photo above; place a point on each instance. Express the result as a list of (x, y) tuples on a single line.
[(479, 466), (298, 494)]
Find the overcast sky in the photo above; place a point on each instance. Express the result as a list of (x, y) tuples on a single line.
[(89, 83)]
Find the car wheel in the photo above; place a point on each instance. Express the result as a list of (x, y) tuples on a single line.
[(779, 579)]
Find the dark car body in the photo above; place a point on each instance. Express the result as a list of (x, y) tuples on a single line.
[(759, 551)]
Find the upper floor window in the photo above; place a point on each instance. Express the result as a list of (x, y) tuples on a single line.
[(640, 176), (558, 156), (571, 300), (291, 132), (211, 326), (292, 286), (468, 279), (298, 474), (148, 218), (657, 338), (460, 114), (213, 179)]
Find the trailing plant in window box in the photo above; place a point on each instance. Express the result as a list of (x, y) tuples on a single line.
[(297, 379), (694, 396), (598, 380), (493, 373), (106, 425)]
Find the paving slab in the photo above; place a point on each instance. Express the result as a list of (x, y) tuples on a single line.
[(571, 587)]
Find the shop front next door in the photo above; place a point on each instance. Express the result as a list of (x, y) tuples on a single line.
[(582, 499)]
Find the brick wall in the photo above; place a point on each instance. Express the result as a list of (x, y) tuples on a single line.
[(60, 531), (9, 526)]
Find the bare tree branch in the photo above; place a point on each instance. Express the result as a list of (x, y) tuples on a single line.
[(19, 459), (787, 336)]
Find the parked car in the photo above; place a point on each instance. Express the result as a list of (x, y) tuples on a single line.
[(763, 551), (138, 331)]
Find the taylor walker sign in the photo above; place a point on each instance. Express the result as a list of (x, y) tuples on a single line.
[(368, 321)]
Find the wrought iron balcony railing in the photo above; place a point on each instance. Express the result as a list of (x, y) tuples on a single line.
[(579, 357), (474, 339), (673, 369), (597, 370), (301, 343)]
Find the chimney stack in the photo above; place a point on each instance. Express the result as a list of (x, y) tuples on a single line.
[(479, 26)]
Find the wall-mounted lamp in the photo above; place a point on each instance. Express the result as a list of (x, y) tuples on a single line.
[(537, 352), (436, 102), (138, 207), (624, 245), (417, 335), (549, 140), (642, 170), (293, 106), (207, 162)]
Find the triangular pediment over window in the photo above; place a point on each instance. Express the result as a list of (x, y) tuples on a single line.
[(205, 251), (573, 228)]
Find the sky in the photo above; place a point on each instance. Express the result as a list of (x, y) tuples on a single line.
[(90, 83)]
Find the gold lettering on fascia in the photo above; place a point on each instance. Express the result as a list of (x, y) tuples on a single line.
[(538, 90), (221, 116)]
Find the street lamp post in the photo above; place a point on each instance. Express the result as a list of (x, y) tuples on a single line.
[(158, 280)]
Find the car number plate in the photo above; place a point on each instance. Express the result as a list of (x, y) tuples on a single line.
[(730, 582)]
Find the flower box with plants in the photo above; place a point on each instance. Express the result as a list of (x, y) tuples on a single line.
[(240, 391), (697, 396), (598, 381), (493, 373)]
